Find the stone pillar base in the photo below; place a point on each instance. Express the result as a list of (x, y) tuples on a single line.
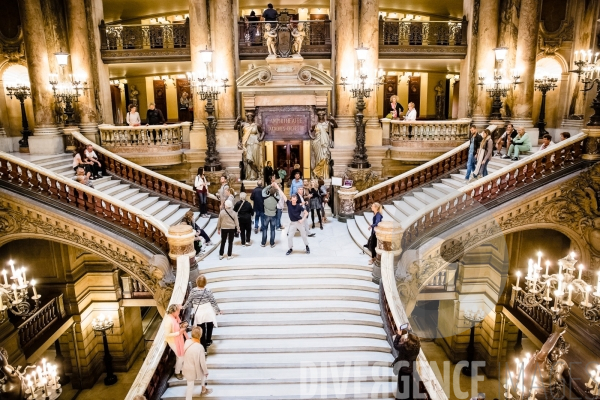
[(346, 196), (90, 131), (389, 238), (47, 144), (6, 144)]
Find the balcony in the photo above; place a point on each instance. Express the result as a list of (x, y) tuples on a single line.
[(252, 43), (139, 43), (427, 39)]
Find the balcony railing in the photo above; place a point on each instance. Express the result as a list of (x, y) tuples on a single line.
[(114, 137), (441, 39), (445, 130), (134, 289), (133, 43), (35, 325), (253, 45)]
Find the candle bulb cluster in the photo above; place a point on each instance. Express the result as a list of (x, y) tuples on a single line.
[(593, 385), (14, 292), (102, 323), (568, 287), (42, 382)]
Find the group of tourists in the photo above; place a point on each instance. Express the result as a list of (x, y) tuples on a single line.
[(86, 165), (190, 337)]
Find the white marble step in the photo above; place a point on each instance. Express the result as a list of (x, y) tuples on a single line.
[(395, 213), (61, 168), (306, 318), (356, 234), (136, 199), (102, 180), (109, 183), (165, 213), (414, 202), (288, 273), (116, 189), (125, 194), (434, 193), (298, 345), (316, 265), (363, 222), (459, 178), (405, 208), (297, 294), (304, 331), (295, 375), (291, 360), (157, 207), (147, 202), (176, 217), (453, 183), (54, 162), (324, 283), (336, 390), (442, 187), (299, 306)]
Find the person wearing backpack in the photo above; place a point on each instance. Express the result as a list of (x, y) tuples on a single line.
[(227, 226)]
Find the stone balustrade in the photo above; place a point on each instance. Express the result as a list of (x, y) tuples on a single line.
[(151, 380), (36, 324), (398, 132), (137, 137)]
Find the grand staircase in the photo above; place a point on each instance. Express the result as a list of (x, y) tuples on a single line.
[(295, 331), (412, 204), (162, 208)]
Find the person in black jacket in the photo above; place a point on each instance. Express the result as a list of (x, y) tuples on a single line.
[(268, 172), (259, 206), (245, 213), (408, 346), (155, 117), (474, 142)]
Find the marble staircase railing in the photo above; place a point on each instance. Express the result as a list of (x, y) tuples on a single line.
[(400, 131), (44, 182), (151, 380), (403, 183), (396, 317), (35, 325), (143, 136), (144, 177), (481, 191), (134, 289)]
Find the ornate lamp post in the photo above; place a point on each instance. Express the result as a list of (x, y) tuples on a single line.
[(544, 85), (21, 91), (361, 90), (66, 96), (588, 73), (208, 88), (14, 294), (101, 325), (498, 86), (474, 317)]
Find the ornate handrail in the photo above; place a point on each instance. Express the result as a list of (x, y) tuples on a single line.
[(144, 36), (443, 130), (144, 135), (506, 179), (151, 375), (422, 33), (539, 315), (396, 317), (134, 289), (47, 183), (403, 183), (42, 319), (144, 177)]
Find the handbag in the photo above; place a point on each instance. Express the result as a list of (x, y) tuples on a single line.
[(236, 233)]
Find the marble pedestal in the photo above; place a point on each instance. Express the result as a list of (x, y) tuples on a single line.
[(346, 196), (51, 144)]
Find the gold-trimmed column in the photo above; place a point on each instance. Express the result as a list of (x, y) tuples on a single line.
[(199, 40)]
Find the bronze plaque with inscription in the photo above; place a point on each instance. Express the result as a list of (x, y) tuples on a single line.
[(286, 125)]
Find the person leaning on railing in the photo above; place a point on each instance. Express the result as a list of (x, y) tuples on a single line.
[(175, 336), (133, 117)]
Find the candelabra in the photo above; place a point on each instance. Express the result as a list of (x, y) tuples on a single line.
[(498, 88), (14, 294), (544, 85), (474, 317), (539, 289), (101, 325), (66, 95), (42, 383), (593, 385), (520, 386), (588, 73), (21, 92)]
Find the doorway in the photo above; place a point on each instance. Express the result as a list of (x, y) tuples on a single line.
[(288, 155)]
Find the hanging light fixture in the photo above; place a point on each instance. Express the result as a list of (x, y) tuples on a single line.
[(14, 293), (62, 58), (500, 53)]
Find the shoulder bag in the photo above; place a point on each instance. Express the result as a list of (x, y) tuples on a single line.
[(236, 233)]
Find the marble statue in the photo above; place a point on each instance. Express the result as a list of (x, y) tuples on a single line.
[(298, 34), (133, 95), (319, 146), (271, 36), (11, 384), (251, 135), (439, 101)]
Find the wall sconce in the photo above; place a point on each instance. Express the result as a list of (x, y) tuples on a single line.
[(500, 53), (361, 54)]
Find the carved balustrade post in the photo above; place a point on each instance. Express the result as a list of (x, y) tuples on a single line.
[(181, 242), (389, 238), (592, 145), (346, 197)]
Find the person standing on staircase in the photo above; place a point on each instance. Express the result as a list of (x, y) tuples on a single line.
[(245, 212), (297, 215), (194, 364), (221, 191), (175, 336), (372, 243), (270, 217), (484, 154), (304, 201), (228, 223), (474, 142), (201, 188), (259, 207), (204, 310)]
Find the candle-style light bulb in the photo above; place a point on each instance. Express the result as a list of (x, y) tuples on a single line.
[(519, 277), (580, 270), (547, 266)]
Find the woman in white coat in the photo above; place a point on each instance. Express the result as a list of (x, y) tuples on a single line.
[(194, 364)]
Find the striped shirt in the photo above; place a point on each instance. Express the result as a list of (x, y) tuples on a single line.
[(199, 296)]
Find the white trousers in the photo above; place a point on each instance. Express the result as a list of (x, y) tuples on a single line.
[(296, 226), (178, 360), (189, 393)]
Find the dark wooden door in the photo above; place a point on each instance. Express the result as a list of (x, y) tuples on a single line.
[(414, 93), (115, 100), (185, 105), (286, 154), (160, 96), (390, 88)]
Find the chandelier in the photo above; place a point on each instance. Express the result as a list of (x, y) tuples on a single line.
[(588, 73), (14, 293), (42, 383), (556, 293), (67, 94)]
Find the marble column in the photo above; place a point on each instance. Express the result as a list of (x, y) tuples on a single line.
[(487, 38), (199, 40), (36, 52), (95, 14), (222, 25), (345, 64), (81, 65), (527, 43), (368, 33)]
